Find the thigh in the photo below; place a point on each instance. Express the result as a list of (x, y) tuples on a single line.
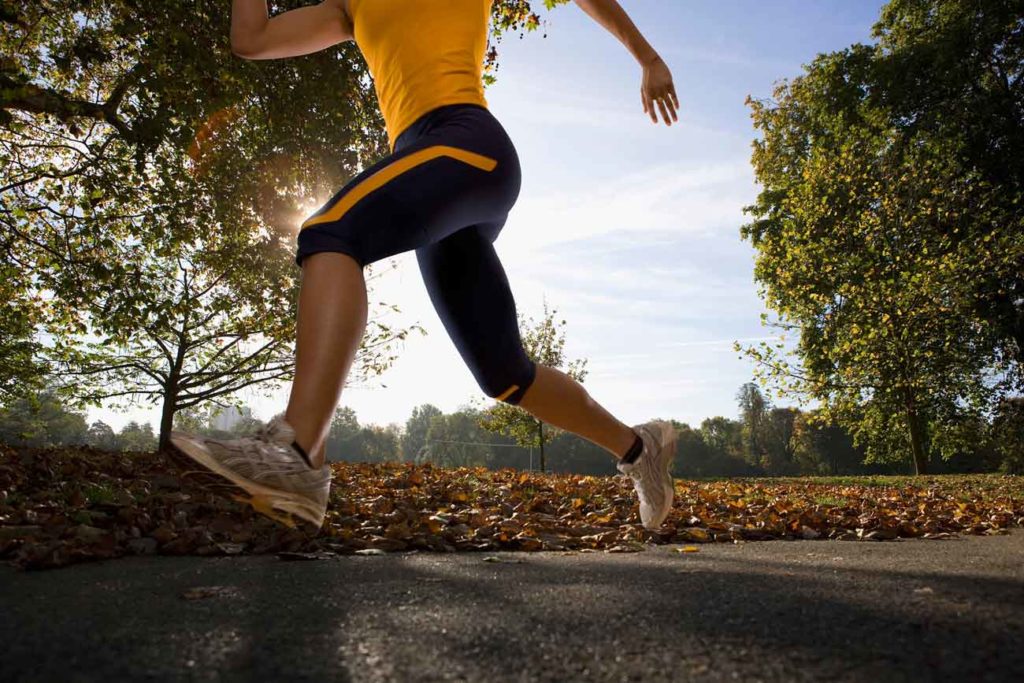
[(426, 191), (470, 291)]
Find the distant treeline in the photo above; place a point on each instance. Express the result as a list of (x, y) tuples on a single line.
[(764, 441)]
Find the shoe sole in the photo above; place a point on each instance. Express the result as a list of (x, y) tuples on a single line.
[(667, 437), (264, 499)]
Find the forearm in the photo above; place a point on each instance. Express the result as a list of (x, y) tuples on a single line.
[(249, 20), (610, 14)]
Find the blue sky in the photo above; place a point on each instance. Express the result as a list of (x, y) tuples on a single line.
[(629, 229)]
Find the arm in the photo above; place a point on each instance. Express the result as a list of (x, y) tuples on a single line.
[(657, 79), (254, 35)]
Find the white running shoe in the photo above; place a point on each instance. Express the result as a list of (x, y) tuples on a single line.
[(652, 471), (269, 468)]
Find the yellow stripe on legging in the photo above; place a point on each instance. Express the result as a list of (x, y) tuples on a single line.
[(508, 393), (389, 172)]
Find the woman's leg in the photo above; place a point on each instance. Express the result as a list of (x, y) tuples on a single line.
[(558, 399), (470, 292), (331, 322)]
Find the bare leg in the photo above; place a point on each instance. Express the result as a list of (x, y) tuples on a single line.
[(558, 399), (332, 319)]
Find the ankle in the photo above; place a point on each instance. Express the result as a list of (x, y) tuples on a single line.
[(304, 453), (634, 451)]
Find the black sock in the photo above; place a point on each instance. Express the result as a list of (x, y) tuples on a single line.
[(634, 452), (302, 452)]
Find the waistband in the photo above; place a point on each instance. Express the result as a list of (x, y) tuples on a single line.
[(420, 125)]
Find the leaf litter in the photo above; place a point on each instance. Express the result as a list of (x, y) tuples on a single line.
[(62, 506)]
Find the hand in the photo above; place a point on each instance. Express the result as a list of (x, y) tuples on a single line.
[(657, 87)]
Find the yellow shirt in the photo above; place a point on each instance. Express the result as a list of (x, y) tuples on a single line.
[(422, 54)]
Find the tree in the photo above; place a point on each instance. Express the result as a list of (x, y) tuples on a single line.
[(216, 317), (92, 89), (41, 421), (1008, 435), (455, 440), (102, 436), (21, 372), (778, 445), (128, 43), (103, 107), (723, 443), (823, 448), (163, 220), (754, 416), (877, 234), (343, 439), (723, 435), (415, 437), (544, 345), (692, 454), (380, 443), (136, 437), (953, 71), (571, 454), (195, 419)]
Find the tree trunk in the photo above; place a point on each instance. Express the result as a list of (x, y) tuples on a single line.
[(171, 390), (540, 426), (167, 420), (916, 438)]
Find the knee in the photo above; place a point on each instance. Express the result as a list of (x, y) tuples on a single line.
[(509, 390)]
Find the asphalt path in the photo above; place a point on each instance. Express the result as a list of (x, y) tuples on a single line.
[(913, 610)]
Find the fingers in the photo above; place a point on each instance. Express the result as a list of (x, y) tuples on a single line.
[(664, 113), (667, 100), (648, 105), (667, 104)]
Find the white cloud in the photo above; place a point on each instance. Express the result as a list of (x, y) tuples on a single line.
[(672, 197)]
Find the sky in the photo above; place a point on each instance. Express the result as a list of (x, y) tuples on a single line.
[(630, 230)]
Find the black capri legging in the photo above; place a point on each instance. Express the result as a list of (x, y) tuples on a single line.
[(445, 191)]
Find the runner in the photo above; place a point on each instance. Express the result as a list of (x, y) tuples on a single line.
[(445, 191)]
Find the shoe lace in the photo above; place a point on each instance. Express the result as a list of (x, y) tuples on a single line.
[(256, 446)]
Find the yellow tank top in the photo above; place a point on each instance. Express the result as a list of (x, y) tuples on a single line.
[(422, 54)]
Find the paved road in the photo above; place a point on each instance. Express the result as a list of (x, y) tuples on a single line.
[(772, 611)]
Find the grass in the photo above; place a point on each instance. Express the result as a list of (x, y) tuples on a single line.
[(830, 501), (99, 494)]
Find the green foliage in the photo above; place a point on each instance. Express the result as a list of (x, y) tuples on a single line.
[(21, 371), (455, 440), (414, 438), (823, 448), (136, 437), (102, 436), (152, 187), (754, 409), (510, 16), (348, 441), (882, 226), (1008, 435), (713, 450), (40, 421)]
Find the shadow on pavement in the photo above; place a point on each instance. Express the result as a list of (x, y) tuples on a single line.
[(782, 611)]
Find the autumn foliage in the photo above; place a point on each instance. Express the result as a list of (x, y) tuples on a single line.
[(63, 506)]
